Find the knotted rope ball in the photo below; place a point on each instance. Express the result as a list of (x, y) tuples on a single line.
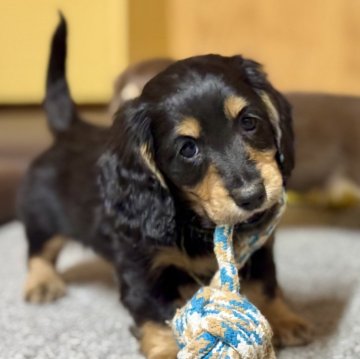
[(218, 322)]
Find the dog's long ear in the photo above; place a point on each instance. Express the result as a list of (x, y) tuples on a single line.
[(134, 192), (279, 112)]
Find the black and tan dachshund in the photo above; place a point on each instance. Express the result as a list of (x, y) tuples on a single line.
[(199, 147)]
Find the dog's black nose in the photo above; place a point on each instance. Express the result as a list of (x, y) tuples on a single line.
[(250, 197)]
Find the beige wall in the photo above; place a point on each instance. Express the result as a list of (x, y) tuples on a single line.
[(149, 34), (97, 47), (304, 45)]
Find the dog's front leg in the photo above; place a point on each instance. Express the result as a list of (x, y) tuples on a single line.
[(261, 287), (150, 307)]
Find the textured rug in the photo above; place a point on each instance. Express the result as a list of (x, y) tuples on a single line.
[(319, 270)]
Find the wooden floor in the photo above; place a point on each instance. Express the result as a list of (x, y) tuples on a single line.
[(24, 128), (24, 134)]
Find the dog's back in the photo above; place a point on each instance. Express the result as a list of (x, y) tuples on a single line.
[(60, 186)]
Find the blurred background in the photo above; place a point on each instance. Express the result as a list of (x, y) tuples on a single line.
[(311, 51), (309, 46)]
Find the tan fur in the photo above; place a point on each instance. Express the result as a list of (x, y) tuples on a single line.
[(238, 243), (267, 165), (289, 328), (212, 198), (273, 113), (233, 105), (43, 283), (150, 163), (189, 126), (136, 75), (157, 341), (130, 91), (204, 266), (186, 292), (52, 248)]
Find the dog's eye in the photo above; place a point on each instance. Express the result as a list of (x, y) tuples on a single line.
[(189, 149), (248, 123)]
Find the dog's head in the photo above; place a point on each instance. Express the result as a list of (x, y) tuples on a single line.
[(212, 132)]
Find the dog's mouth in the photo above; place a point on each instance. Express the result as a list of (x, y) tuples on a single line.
[(257, 220)]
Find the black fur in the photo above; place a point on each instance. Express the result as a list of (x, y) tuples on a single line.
[(258, 79), (60, 109), (93, 184)]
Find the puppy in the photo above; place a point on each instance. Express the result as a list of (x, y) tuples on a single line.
[(327, 130), (326, 156), (209, 141), (130, 83)]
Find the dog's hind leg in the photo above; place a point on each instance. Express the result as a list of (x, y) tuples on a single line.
[(43, 283)]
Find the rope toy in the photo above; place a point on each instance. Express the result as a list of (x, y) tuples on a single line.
[(218, 322)]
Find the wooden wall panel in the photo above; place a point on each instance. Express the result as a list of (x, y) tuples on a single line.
[(305, 45), (148, 29)]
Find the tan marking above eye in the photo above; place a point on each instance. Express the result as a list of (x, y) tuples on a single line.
[(233, 105), (189, 126)]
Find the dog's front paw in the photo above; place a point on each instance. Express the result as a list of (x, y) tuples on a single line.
[(43, 284), (291, 330), (157, 341)]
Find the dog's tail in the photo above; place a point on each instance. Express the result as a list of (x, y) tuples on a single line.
[(59, 106)]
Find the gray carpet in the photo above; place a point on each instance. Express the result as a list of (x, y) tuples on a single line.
[(318, 268)]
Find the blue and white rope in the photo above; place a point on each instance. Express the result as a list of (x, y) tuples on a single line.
[(218, 322)]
